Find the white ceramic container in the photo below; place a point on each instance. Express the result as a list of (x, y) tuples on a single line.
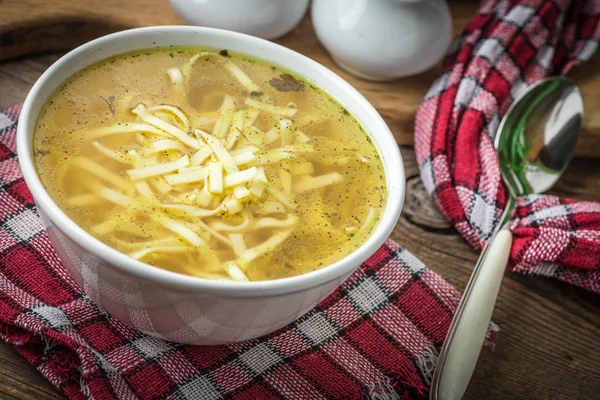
[(182, 308), (382, 40), (267, 19)]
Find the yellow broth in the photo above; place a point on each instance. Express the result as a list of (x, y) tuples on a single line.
[(329, 222)]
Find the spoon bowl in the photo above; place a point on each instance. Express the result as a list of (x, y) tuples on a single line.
[(536, 140)]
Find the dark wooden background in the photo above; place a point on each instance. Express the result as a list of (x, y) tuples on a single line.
[(548, 345)]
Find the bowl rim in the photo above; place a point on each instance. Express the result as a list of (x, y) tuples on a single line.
[(370, 120)]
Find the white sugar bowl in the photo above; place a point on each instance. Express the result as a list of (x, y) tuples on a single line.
[(382, 40), (267, 19)]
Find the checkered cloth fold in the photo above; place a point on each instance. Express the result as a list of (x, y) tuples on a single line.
[(379, 334), (506, 47)]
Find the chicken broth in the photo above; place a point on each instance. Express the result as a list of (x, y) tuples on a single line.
[(209, 164)]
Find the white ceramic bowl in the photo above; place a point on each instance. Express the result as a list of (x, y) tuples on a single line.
[(182, 308)]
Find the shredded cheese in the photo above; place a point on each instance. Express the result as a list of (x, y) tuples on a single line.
[(244, 158), (257, 188), (192, 168), (163, 145), (160, 169), (215, 177), (350, 230), (205, 198), (172, 110), (237, 178), (219, 150), (233, 206), (287, 111), (143, 113), (175, 75), (203, 177), (201, 155), (196, 175), (240, 192)]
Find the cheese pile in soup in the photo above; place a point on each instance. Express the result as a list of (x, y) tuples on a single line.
[(209, 164)]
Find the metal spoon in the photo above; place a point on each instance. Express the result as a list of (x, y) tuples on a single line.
[(535, 142)]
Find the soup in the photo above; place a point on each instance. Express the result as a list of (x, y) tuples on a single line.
[(209, 164)]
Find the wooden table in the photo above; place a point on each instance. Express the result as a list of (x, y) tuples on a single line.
[(548, 343)]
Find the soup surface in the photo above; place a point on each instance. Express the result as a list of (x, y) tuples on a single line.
[(210, 164)]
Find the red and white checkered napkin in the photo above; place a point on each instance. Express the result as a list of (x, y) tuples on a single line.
[(379, 333), (506, 47)]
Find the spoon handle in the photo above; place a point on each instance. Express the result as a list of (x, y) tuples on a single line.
[(463, 343)]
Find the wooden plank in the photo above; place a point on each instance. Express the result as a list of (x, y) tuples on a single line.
[(19, 380), (32, 26)]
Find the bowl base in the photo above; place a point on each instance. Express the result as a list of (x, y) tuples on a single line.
[(363, 75)]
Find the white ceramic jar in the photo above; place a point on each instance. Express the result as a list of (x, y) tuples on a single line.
[(267, 19), (382, 40)]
